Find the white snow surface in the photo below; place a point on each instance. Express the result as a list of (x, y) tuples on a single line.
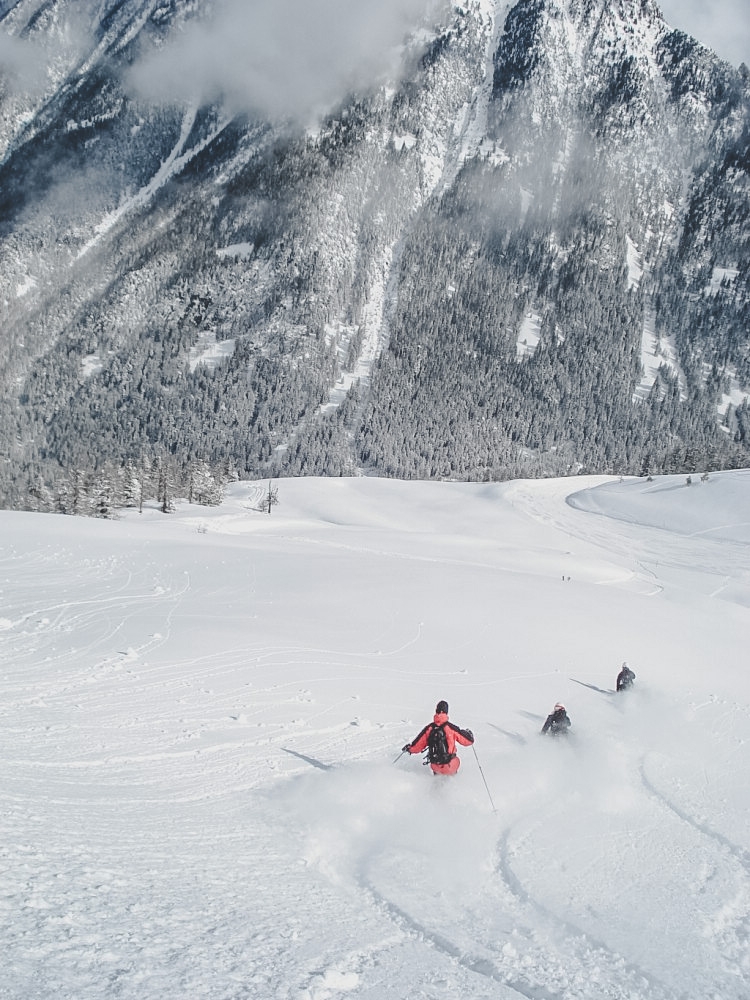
[(720, 276), (178, 157), (735, 397), (210, 352), (528, 337), (655, 352), (635, 264), (202, 794)]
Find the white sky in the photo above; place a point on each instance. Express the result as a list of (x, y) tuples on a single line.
[(723, 25)]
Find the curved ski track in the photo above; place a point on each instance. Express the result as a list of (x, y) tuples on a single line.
[(582, 944), (473, 963), (739, 853)]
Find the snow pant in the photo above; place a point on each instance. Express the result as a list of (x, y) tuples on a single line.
[(450, 768)]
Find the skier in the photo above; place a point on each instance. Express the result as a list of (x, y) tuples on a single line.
[(557, 722), (625, 678), (439, 739)]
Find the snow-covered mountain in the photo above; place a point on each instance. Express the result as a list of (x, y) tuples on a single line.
[(202, 794), (519, 244)]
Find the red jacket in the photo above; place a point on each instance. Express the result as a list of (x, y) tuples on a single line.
[(453, 735)]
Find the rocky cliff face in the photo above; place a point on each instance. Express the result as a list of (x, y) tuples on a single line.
[(526, 255)]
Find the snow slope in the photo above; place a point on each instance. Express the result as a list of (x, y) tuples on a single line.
[(202, 715)]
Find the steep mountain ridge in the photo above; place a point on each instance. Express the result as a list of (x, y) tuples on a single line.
[(437, 280), (598, 159)]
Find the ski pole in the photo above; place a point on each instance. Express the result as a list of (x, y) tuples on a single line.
[(484, 779), (399, 757)]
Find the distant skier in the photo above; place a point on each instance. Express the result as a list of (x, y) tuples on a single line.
[(557, 722), (439, 739), (625, 678)]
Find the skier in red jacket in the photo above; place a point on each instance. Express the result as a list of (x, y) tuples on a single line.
[(439, 739)]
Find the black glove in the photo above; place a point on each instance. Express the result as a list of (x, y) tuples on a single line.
[(406, 749), (469, 735)]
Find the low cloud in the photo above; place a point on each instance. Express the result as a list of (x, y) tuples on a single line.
[(37, 55), (288, 58), (722, 25), (23, 65)]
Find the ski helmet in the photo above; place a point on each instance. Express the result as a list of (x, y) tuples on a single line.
[(559, 707), (442, 706)]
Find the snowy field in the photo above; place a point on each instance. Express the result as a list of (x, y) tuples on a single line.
[(201, 717)]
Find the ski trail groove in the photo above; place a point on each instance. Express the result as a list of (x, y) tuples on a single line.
[(472, 963), (578, 938), (737, 852)]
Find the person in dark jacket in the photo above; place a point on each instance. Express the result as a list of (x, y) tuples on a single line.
[(557, 722), (625, 678), (443, 758)]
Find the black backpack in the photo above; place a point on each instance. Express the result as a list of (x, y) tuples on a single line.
[(437, 746)]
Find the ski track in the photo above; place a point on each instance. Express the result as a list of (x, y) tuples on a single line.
[(635, 543), (100, 618), (140, 856), (588, 951), (730, 927), (737, 852), (478, 965)]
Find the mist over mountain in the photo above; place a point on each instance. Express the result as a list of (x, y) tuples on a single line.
[(419, 240)]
